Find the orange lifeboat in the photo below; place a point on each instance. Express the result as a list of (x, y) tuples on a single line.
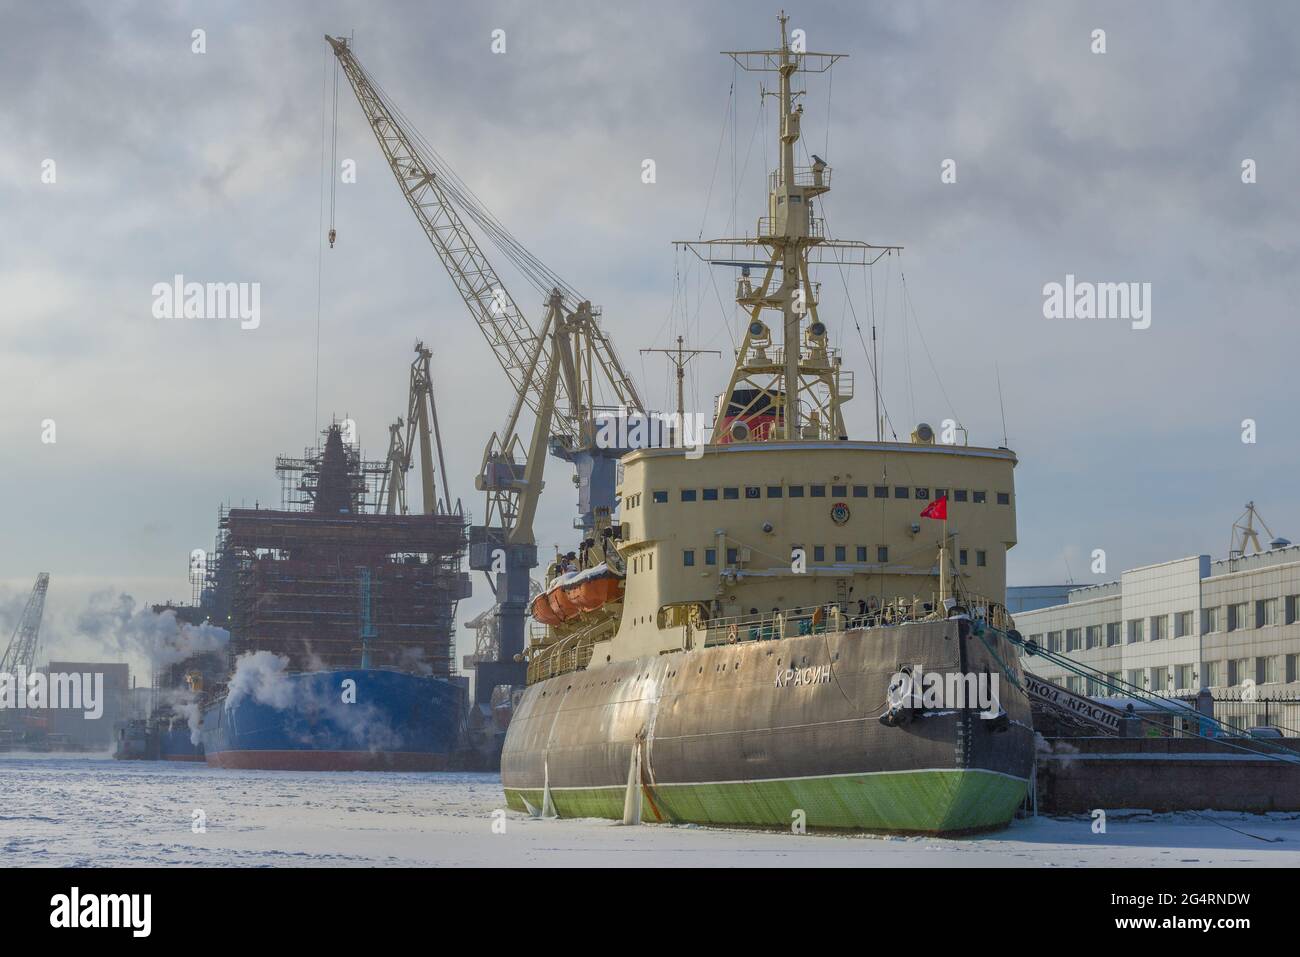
[(577, 592)]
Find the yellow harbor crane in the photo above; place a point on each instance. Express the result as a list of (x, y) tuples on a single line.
[(556, 372)]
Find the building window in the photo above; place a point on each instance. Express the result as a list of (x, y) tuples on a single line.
[(817, 491), (862, 553), (1093, 637), (979, 498), (1292, 669), (1134, 630), (710, 556), (1266, 612), (1237, 616), (1159, 627), (981, 558), (900, 491), (1053, 641), (859, 491), (880, 491), (1182, 624), (1074, 684), (839, 491), (688, 495), (959, 495), (660, 498), (1004, 498), (796, 491), (841, 553), (1073, 639), (819, 553), (1266, 670), (961, 556), (882, 553), (1135, 678), (1210, 620), (731, 493), (1237, 670), (1183, 678), (774, 491), (688, 557), (1292, 606), (1112, 633), (1213, 674), (1159, 678)]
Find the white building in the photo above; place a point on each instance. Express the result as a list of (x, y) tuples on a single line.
[(1180, 626)]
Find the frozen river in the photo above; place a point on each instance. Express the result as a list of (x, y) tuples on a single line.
[(93, 811)]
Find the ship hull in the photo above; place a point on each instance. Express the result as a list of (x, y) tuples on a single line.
[(397, 722), (778, 733)]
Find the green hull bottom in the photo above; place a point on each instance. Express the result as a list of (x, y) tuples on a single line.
[(929, 802)]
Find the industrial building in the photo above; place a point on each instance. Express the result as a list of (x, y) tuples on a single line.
[(1231, 625)]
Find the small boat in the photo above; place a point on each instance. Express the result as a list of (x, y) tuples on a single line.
[(575, 593)]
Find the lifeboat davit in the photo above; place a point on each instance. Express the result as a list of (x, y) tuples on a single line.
[(573, 594)]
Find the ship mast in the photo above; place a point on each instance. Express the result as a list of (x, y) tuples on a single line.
[(797, 390)]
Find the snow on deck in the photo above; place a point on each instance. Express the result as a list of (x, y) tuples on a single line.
[(93, 811)]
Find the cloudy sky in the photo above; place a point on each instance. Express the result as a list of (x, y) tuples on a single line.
[(1117, 167)]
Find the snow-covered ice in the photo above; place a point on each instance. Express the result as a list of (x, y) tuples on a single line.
[(93, 811)]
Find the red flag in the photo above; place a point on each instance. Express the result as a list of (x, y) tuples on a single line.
[(936, 509)]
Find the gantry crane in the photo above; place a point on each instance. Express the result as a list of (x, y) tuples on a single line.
[(555, 373), (21, 653)]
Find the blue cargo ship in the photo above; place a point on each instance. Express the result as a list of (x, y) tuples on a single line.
[(351, 719)]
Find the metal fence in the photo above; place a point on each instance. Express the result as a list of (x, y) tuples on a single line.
[(1244, 710)]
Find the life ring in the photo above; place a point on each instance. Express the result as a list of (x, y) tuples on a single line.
[(731, 633)]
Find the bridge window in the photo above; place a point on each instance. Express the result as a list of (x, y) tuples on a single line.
[(980, 497), (880, 491), (774, 491), (1004, 498), (710, 556), (862, 553), (710, 494), (839, 491), (961, 556), (688, 557), (882, 553), (900, 491), (817, 491), (859, 491), (796, 491), (981, 558), (731, 493), (819, 553), (660, 497), (960, 495), (688, 495)]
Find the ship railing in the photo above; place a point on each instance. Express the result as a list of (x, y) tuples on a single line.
[(572, 653), (768, 227), (835, 616), (803, 176)]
